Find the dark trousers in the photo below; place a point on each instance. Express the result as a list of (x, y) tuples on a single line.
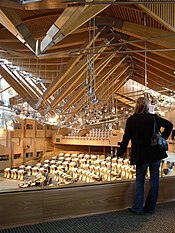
[(151, 199)]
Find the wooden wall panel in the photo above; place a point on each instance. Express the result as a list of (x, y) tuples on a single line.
[(18, 129), (29, 128), (167, 189), (48, 131), (20, 208), (5, 154), (48, 146), (40, 130), (78, 201), (29, 207)]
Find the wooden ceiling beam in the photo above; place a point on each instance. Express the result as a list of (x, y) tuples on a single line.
[(122, 98), (111, 85), (158, 57), (119, 66), (44, 4), (9, 40), (121, 82), (55, 84), (15, 53), (111, 88), (158, 72), (11, 4), (70, 70), (11, 21), (153, 35), (78, 94), (72, 40), (71, 19), (152, 83), (25, 89), (42, 68), (101, 92), (53, 35), (75, 80), (17, 87), (69, 87), (152, 63), (169, 55), (152, 74), (163, 13)]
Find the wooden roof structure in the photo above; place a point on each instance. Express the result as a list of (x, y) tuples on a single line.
[(81, 51)]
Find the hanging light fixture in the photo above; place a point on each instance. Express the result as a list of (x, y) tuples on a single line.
[(90, 72), (146, 77)]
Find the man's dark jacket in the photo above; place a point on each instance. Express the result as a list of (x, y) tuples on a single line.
[(139, 129)]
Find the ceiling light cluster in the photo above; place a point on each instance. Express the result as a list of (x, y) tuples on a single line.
[(93, 111)]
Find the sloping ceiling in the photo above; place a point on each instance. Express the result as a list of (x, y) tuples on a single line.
[(78, 55)]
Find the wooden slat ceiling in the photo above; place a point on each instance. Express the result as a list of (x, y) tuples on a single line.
[(54, 42)]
